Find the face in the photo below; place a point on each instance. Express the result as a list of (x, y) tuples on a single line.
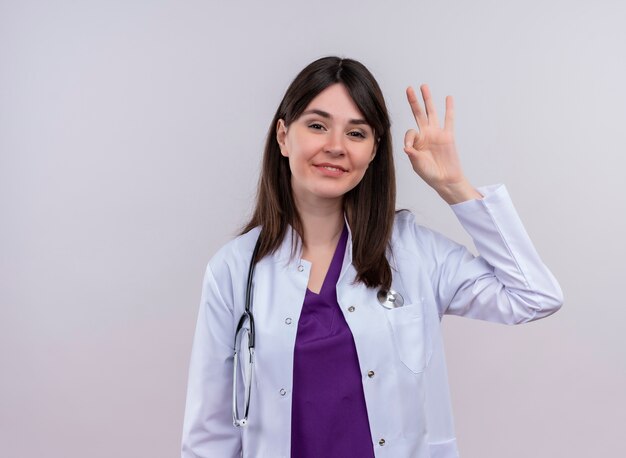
[(329, 147)]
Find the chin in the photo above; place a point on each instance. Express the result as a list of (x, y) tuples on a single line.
[(327, 193), (331, 191), (334, 192), (330, 195)]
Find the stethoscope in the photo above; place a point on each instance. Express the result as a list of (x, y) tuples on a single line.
[(389, 299)]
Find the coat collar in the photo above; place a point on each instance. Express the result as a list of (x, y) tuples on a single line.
[(283, 253)]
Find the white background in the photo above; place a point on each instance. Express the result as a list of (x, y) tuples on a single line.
[(130, 139)]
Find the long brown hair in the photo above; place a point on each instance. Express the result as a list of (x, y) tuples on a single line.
[(369, 207)]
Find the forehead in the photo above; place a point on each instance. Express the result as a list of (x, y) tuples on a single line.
[(336, 101)]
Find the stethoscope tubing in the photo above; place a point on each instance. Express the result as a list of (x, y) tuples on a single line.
[(389, 299), (246, 316)]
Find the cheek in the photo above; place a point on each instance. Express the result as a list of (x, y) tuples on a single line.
[(365, 158), (298, 148), (298, 165), (360, 166), (302, 153)]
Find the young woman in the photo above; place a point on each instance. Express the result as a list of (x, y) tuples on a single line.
[(347, 294)]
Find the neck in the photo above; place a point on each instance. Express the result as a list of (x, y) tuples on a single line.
[(322, 222)]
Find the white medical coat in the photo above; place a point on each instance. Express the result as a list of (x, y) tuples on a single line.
[(407, 398)]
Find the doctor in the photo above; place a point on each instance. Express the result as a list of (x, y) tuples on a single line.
[(347, 294)]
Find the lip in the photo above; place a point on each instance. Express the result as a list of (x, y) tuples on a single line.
[(326, 164), (330, 170)]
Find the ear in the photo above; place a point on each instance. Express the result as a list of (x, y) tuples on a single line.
[(281, 133)]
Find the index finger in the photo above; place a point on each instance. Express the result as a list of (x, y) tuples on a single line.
[(418, 113)]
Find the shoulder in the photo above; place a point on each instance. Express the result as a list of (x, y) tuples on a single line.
[(409, 235), (234, 255)]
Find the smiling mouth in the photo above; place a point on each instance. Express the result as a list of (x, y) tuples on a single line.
[(331, 168)]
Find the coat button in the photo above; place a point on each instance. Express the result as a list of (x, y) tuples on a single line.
[(351, 308), (381, 442), (283, 392), (370, 374), (300, 268), (287, 320)]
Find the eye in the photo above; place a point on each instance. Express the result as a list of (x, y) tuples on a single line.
[(316, 126), (356, 133)]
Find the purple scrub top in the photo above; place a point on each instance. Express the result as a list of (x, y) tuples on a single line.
[(328, 414)]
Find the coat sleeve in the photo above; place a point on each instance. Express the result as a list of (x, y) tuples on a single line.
[(507, 283), (208, 429)]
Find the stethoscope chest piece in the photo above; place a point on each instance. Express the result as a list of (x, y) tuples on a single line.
[(390, 299)]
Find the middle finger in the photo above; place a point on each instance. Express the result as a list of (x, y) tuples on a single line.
[(430, 106)]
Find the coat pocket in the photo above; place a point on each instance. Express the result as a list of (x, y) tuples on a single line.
[(410, 336), (444, 449)]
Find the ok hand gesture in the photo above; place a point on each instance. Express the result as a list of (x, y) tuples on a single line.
[(432, 150)]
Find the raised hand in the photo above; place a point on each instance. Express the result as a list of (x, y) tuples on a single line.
[(432, 149)]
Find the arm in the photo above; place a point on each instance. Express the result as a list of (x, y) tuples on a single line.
[(208, 429), (508, 282)]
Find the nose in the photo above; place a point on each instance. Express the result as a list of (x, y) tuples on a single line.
[(335, 143)]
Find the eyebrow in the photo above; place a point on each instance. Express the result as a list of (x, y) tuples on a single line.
[(326, 115)]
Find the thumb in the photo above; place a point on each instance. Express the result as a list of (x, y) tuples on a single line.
[(410, 138)]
